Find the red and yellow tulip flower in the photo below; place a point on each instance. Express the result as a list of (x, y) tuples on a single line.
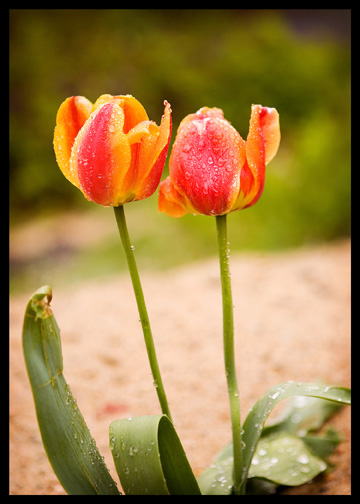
[(213, 171), (110, 150)]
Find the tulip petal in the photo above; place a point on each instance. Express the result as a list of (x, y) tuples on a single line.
[(269, 124), (104, 98), (137, 137), (101, 156), (261, 146), (255, 146), (151, 156), (71, 116), (251, 188), (134, 112), (246, 193), (141, 130), (170, 199), (206, 161)]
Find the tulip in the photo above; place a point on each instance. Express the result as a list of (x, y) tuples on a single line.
[(114, 154), (110, 150), (213, 171)]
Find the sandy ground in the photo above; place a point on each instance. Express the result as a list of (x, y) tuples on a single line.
[(292, 322)]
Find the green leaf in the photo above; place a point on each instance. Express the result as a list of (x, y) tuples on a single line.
[(217, 479), (304, 415), (149, 457), (323, 446), (68, 443), (254, 423), (258, 486), (301, 416), (285, 459)]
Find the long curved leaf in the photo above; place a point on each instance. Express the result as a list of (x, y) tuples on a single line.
[(256, 418), (68, 443), (149, 457), (298, 464)]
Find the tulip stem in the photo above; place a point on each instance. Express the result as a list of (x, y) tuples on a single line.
[(144, 318), (229, 354)]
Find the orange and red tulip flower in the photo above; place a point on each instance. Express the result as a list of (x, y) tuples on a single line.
[(110, 150), (213, 171)]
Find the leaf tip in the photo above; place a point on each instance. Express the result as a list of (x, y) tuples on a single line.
[(40, 302)]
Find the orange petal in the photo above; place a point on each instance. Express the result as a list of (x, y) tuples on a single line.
[(134, 112), (141, 130), (246, 193), (255, 153), (255, 145), (269, 125), (138, 137), (261, 146), (104, 98), (151, 156), (71, 116), (170, 199)]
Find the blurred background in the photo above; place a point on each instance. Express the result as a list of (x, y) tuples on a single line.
[(295, 60)]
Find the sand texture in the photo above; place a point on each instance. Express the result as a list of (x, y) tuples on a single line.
[(292, 322)]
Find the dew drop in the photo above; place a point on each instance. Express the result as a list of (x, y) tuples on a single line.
[(303, 458), (295, 418), (201, 144), (255, 461), (275, 395)]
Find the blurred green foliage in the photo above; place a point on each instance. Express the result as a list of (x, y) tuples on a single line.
[(192, 58)]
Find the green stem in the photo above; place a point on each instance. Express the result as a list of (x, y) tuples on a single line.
[(229, 355), (144, 318)]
